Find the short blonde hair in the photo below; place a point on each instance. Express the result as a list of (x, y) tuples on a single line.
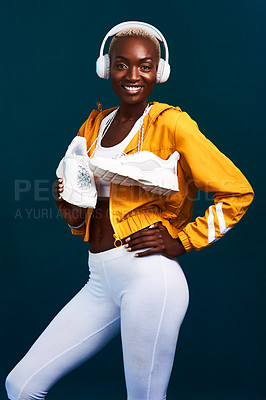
[(135, 31)]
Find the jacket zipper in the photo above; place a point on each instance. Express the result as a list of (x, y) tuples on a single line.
[(117, 240)]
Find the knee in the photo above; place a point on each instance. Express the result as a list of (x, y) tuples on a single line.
[(12, 387), (18, 387)]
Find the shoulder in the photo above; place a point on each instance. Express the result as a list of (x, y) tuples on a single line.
[(171, 116), (176, 124), (93, 121), (163, 110)]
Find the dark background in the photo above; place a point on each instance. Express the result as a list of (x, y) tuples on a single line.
[(48, 88)]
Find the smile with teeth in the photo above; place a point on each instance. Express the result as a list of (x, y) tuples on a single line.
[(133, 89)]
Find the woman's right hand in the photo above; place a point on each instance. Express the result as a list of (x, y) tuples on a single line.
[(58, 188), (73, 215)]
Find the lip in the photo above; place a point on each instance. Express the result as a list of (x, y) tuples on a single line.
[(131, 89)]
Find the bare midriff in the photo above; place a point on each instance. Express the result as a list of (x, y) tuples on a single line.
[(101, 230)]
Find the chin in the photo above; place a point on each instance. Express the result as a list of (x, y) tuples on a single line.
[(134, 99)]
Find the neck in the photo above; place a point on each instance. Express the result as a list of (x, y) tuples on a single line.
[(129, 112)]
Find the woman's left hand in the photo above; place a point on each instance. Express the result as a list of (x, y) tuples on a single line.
[(157, 239)]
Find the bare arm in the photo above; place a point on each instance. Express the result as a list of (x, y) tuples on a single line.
[(72, 214)]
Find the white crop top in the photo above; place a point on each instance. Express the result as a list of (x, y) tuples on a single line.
[(103, 187)]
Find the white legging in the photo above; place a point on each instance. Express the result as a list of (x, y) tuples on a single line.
[(144, 298)]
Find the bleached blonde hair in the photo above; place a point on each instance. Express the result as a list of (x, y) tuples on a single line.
[(135, 31)]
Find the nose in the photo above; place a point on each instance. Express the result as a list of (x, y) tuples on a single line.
[(133, 74)]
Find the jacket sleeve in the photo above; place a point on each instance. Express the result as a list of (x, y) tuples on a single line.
[(207, 169), (78, 231)]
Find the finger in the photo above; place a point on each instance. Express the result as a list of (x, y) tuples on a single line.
[(145, 245), (57, 183), (159, 226), (143, 242), (58, 194), (156, 225), (142, 234), (58, 187), (151, 226), (60, 190), (149, 252)]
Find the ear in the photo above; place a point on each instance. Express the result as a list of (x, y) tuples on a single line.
[(163, 71), (103, 66)]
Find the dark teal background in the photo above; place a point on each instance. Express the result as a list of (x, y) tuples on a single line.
[(48, 88)]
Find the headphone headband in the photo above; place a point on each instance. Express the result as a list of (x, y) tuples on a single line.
[(103, 61), (135, 24)]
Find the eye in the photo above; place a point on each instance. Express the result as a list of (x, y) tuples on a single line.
[(145, 67), (121, 66)]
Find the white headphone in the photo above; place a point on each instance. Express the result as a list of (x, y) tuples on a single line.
[(103, 62)]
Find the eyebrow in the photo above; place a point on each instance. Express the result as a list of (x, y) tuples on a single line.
[(142, 59)]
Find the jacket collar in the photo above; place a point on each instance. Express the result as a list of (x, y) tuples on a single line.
[(155, 111)]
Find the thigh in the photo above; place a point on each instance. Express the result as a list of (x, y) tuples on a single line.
[(152, 311), (79, 330)]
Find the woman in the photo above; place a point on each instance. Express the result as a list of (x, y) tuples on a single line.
[(138, 288)]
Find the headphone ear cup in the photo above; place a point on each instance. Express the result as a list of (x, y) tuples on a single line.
[(103, 66), (163, 71)]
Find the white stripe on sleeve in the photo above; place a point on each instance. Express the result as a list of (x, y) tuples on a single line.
[(211, 227), (221, 220)]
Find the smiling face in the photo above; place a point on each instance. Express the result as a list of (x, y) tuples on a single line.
[(133, 65)]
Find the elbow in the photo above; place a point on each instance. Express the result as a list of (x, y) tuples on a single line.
[(247, 200), (244, 202), (249, 196), (245, 195)]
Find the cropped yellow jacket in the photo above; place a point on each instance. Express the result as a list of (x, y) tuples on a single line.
[(201, 166)]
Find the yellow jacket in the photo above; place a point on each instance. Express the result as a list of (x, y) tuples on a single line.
[(201, 166)]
